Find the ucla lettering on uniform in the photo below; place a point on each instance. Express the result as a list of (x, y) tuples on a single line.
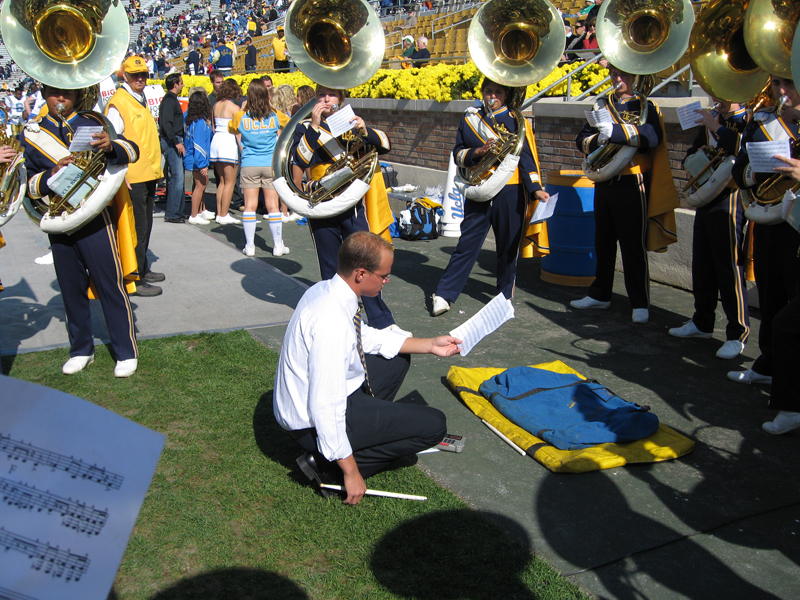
[(457, 208)]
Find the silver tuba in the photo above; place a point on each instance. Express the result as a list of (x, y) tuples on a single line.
[(13, 177), (70, 44), (338, 44), (514, 43)]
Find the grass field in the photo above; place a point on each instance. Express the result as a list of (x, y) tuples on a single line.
[(229, 516)]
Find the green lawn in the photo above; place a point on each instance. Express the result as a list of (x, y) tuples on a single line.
[(229, 516)]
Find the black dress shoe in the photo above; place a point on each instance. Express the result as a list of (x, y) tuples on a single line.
[(171, 220), (153, 277), (145, 290), (308, 465)]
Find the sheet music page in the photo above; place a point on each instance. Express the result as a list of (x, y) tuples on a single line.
[(545, 210), (687, 116), (487, 320), (73, 477), (83, 138), (762, 154), (339, 122)]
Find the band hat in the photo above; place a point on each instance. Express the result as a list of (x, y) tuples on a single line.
[(135, 64)]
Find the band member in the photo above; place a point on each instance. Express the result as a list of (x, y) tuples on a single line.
[(717, 242), (505, 212), (635, 207), (775, 246), (90, 255), (314, 148)]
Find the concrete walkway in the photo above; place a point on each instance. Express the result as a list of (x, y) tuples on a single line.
[(722, 522)]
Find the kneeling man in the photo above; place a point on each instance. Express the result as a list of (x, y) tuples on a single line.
[(337, 379)]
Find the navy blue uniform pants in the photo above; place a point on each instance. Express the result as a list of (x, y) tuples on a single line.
[(92, 252), (785, 357), (505, 214), (328, 235), (620, 215), (716, 248), (379, 429)]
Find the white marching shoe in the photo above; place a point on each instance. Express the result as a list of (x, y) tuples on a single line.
[(76, 364), (249, 250), (784, 423), (730, 349), (749, 376), (689, 330), (280, 250), (640, 315), (589, 302), (440, 305), (126, 368)]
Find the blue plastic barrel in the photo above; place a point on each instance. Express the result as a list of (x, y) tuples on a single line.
[(572, 259)]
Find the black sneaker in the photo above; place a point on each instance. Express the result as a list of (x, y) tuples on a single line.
[(153, 277), (145, 290)]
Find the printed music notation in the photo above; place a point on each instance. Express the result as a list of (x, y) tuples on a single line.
[(23, 452), (9, 595), (75, 515), (46, 558)]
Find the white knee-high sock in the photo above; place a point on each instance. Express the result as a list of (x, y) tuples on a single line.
[(276, 228), (249, 226)]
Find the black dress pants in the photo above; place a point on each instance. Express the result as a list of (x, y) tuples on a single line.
[(379, 429), (143, 197)]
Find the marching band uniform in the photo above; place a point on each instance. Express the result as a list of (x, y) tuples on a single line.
[(717, 246), (624, 208), (316, 150), (775, 247), (91, 251), (505, 213)]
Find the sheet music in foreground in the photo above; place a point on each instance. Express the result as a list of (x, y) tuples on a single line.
[(487, 320), (73, 476)]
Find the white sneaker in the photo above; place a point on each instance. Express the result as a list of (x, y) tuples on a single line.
[(280, 250), (198, 220), (394, 327), (290, 218), (689, 330), (47, 259), (76, 364), (249, 250), (589, 302), (207, 214), (749, 376), (783, 423), (640, 315), (126, 368), (730, 349), (227, 220), (440, 305)]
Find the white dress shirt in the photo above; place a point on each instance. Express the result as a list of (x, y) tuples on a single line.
[(113, 114), (319, 366)]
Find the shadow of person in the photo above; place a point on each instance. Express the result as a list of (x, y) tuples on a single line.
[(455, 554), (233, 583), (23, 319), (599, 532), (271, 439), (264, 282)]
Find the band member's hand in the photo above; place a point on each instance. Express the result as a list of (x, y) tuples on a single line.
[(479, 152), (360, 126), (102, 141), (790, 114), (67, 160), (606, 129), (708, 120), (181, 149), (445, 345), (316, 114), (792, 169), (541, 195), (7, 154)]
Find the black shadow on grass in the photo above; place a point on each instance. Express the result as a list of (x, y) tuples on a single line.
[(235, 583), (454, 554)]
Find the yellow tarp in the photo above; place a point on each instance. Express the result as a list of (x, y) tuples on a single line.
[(664, 444)]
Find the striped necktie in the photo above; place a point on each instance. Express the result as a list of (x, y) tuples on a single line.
[(357, 323)]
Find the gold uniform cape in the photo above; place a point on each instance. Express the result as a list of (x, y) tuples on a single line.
[(535, 241), (663, 199)]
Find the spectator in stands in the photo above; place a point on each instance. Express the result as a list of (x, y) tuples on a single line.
[(590, 41), (592, 14), (193, 62), (222, 59), (577, 40), (250, 59), (409, 23), (161, 65), (198, 147), (421, 56), (15, 105), (170, 122), (281, 63)]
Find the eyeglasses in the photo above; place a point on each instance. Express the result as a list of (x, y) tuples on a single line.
[(384, 278)]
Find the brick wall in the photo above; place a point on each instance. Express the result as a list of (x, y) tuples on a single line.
[(425, 138)]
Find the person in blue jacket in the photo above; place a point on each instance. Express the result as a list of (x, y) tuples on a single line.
[(505, 213), (197, 140)]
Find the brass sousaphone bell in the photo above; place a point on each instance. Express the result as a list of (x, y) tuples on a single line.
[(66, 44)]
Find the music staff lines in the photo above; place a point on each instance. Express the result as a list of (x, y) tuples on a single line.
[(10, 595), (20, 451), (46, 558), (74, 515)]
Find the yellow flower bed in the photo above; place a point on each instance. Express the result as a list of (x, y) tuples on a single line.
[(441, 82)]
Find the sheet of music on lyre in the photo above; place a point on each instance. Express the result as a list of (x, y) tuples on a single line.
[(73, 477)]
